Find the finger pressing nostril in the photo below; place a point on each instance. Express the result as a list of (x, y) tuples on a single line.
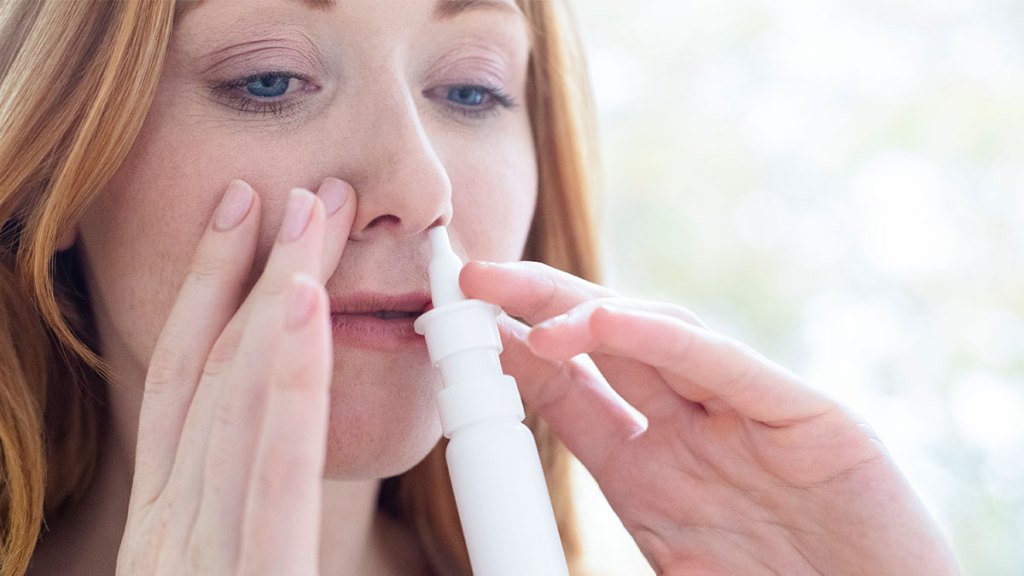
[(334, 194)]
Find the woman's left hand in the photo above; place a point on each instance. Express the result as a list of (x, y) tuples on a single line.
[(735, 466)]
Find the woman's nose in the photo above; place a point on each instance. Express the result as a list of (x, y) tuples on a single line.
[(402, 186)]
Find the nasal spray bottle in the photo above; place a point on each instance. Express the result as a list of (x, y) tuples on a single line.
[(499, 486)]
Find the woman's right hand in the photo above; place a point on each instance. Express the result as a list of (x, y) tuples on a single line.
[(233, 424)]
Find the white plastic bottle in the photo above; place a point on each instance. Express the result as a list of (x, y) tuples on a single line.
[(496, 474)]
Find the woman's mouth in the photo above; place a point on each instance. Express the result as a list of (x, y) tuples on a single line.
[(377, 321)]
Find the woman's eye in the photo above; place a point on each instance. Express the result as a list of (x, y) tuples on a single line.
[(264, 93), (471, 100), (270, 85), (467, 95)]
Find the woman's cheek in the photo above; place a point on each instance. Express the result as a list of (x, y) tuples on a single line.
[(494, 197)]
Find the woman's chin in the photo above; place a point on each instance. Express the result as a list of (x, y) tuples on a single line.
[(381, 426), (381, 457)]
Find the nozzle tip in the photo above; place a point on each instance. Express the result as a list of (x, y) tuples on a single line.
[(445, 266), (439, 241)]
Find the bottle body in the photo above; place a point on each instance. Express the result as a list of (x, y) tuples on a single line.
[(503, 500)]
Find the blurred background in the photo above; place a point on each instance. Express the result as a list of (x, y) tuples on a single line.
[(841, 185)]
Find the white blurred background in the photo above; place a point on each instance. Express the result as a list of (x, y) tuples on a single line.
[(841, 185)]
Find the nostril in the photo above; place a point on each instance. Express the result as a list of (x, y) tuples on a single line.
[(384, 220)]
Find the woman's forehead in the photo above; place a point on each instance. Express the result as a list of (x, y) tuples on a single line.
[(223, 20)]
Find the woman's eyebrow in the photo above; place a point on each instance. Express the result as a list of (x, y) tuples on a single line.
[(448, 9), (320, 4), (182, 7), (444, 9)]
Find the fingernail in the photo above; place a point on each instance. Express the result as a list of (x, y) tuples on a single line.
[(297, 214), (333, 193), (302, 299), (613, 308), (552, 322), (234, 206), (492, 267)]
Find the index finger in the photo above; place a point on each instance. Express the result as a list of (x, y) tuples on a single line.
[(536, 292), (528, 290)]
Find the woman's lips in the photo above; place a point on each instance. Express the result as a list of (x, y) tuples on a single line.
[(369, 332), (377, 321)]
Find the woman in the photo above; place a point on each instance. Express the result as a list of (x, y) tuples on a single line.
[(184, 325)]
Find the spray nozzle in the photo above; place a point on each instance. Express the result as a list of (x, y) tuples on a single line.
[(445, 266), (461, 334)]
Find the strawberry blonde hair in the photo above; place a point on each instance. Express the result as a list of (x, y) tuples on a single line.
[(76, 81)]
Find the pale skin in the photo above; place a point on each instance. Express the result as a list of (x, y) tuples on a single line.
[(256, 436)]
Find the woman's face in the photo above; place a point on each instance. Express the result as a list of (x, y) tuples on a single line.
[(419, 105)]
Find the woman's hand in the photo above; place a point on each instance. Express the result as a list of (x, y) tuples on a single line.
[(233, 424), (734, 467)]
